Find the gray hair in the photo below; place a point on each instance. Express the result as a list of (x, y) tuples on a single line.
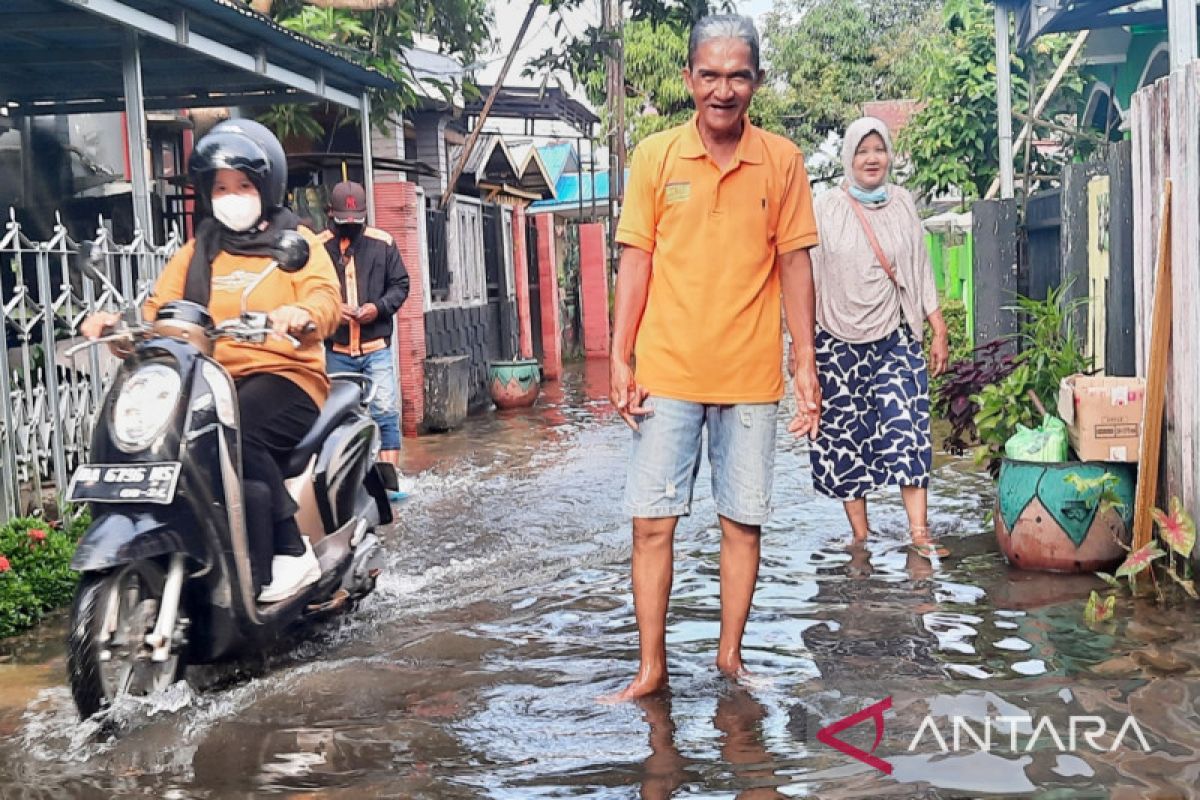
[(724, 26)]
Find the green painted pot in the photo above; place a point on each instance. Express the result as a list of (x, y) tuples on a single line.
[(1044, 523), (514, 384)]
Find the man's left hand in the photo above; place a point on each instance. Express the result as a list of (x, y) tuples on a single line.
[(808, 402), (367, 314)]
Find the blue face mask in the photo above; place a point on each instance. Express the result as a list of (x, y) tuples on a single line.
[(873, 197)]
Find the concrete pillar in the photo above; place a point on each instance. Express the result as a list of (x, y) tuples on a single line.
[(521, 275), (397, 210), (593, 289), (547, 256)]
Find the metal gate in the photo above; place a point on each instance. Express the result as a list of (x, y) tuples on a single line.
[(535, 289), (569, 284), (439, 263), (47, 400), (501, 334)]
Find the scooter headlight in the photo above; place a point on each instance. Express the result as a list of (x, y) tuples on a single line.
[(144, 406)]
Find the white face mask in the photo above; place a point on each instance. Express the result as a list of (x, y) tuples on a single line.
[(238, 212)]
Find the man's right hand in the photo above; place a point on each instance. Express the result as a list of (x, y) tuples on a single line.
[(627, 395), (349, 313)]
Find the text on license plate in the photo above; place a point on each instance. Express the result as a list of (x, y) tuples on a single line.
[(128, 483)]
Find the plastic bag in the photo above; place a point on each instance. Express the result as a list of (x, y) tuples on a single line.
[(1045, 444)]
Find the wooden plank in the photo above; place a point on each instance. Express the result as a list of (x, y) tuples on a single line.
[(1186, 269), (1073, 246), (1119, 345), (1156, 384), (1143, 234), (994, 229)]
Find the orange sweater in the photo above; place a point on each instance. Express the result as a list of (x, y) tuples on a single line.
[(314, 288)]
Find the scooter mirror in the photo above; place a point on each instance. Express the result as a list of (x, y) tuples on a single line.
[(290, 251)]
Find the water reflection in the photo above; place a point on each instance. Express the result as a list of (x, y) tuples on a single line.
[(506, 608)]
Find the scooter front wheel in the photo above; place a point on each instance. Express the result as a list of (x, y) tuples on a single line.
[(107, 653)]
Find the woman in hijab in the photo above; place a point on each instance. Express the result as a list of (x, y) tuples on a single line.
[(875, 290)]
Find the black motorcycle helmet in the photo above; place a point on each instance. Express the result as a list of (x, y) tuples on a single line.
[(244, 145)]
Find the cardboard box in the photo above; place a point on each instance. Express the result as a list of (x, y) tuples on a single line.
[(1103, 416)]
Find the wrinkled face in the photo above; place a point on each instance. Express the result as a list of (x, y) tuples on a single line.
[(722, 80), (232, 181), (871, 162)]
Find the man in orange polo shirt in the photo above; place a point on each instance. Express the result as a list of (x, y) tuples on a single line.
[(716, 225)]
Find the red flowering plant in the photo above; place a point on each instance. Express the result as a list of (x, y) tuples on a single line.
[(1166, 555), (35, 569)]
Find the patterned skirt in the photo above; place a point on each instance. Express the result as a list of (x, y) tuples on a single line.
[(874, 415)]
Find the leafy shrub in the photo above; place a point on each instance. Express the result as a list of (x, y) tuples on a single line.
[(1174, 541), (954, 312), (1048, 351), (35, 571), (954, 397)]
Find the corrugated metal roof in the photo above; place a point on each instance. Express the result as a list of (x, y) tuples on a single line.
[(59, 56)]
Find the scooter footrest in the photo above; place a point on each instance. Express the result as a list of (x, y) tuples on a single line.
[(335, 603)]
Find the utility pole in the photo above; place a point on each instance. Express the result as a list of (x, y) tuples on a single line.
[(613, 24)]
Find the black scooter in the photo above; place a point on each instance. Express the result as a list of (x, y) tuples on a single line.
[(179, 544)]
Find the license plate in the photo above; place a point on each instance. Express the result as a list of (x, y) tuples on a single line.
[(125, 483)]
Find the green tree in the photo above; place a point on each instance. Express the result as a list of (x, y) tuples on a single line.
[(582, 55), (376, 38), (656, 97), (953, 142), (828, 57)]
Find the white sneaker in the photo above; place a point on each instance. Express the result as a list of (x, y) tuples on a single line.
[(290, 574)]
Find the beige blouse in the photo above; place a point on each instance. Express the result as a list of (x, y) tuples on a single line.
[(856, 301)]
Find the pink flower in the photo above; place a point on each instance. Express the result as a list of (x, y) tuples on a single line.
[(37, 536), (4, 565)]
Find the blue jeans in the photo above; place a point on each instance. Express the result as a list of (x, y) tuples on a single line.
[(666, 457), (378, 367)]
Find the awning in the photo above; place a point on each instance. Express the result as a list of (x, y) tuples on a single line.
[(69, 56), (1039, 17)]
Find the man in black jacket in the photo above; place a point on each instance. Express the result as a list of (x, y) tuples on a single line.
[(374, 286)]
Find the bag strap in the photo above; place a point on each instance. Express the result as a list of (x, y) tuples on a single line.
[(866, 226)]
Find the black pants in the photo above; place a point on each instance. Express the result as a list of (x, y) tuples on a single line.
[(275, 416)]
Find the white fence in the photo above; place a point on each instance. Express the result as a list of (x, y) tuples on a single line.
[(47, 400), (1166, 144)]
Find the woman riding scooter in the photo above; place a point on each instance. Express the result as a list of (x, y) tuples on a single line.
[(240, 174)]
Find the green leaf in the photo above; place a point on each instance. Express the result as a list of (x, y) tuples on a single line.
[(1139, 560), (1098, 609), (1177, 529), (1109, 579)]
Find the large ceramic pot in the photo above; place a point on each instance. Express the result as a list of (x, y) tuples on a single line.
[(514, 384), (1044, 523)]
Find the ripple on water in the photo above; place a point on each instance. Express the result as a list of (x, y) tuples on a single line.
[(505, 611)]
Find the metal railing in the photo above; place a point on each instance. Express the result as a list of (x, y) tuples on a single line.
[(48, 400)]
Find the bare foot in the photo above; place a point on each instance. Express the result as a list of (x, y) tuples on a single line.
[(643, 685), (732, 667)]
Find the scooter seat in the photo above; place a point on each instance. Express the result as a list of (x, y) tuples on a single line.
[(343, 401)]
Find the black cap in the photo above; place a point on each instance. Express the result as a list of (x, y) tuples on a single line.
[(348, 202)]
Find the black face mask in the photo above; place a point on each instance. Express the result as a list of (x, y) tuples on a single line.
[(348, 230)]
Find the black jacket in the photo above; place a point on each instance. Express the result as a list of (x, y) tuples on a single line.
[(382, 279)]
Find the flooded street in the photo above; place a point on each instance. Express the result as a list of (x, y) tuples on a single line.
[(505, 611)]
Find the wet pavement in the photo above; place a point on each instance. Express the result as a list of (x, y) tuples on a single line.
[(506, 611)]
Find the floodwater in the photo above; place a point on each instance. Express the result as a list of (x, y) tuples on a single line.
[(505, 611)]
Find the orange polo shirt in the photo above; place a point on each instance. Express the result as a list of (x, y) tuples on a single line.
[(711, 330), (314, 288)]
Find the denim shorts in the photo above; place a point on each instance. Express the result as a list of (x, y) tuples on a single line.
[(665, 459)]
